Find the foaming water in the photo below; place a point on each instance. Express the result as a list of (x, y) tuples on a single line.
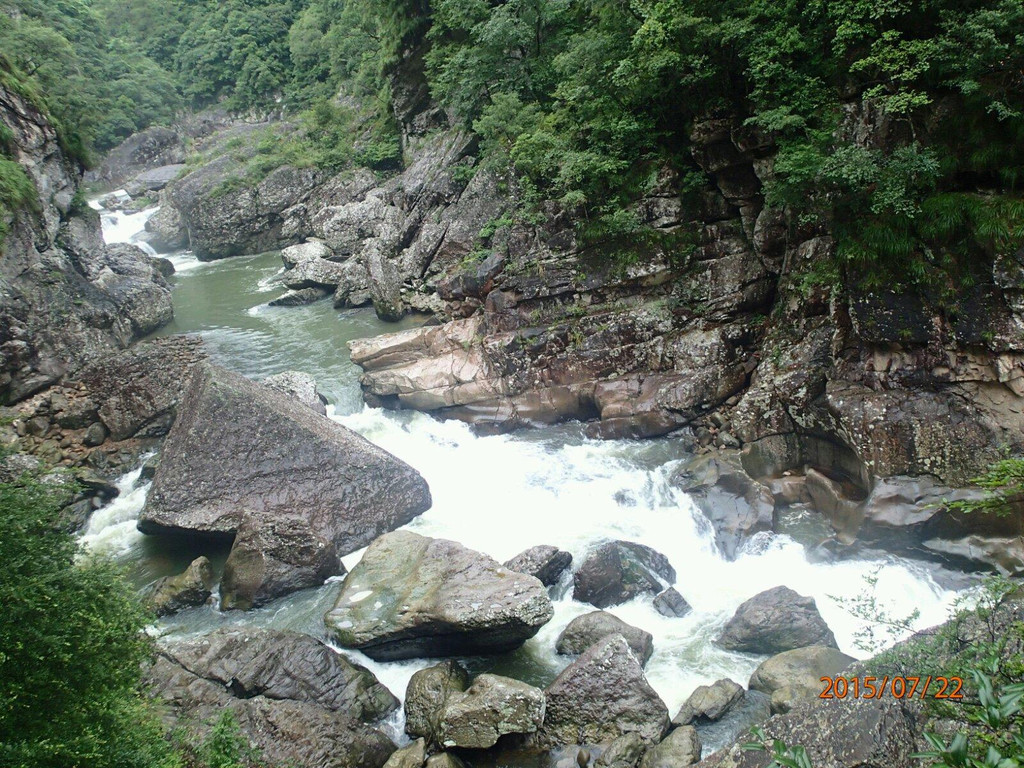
[(500, 495)]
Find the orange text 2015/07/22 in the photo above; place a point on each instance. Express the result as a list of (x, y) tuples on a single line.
[(901, 687)]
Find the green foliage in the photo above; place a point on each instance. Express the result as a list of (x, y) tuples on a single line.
[(16, 191), (71, 648), (227, 747), (783, 755), (1004, 484)]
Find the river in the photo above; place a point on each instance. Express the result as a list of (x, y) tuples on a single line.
[(500, 495)]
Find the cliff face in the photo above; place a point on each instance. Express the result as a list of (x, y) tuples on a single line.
[(65, 297)]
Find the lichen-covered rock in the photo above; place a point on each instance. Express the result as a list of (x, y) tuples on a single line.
[(623, 752), (543, 562), (619, 571), (709, 702), (187, 589), (796, 675), (301, 386), (492, 707), (776, 620), (600, 696), (298, 489), (415, 596), (427, 694), (583, 631)]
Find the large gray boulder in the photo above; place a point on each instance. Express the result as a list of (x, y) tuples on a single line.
[(298, 489), (776, 620), (415, 596), (153, 180), (275, 684), (601, 696), (583, 631), (543, 562), (794, 676), (165, 231), (737, 505), (619, 571), (492, 707)]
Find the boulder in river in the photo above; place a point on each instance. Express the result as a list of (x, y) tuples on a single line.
[(427, 694), (301, 386), (414, 596), (492, 707), (710, 702), (776, 620), (193, 587), (671, 603), (298, 489), (543, 562), (601, 696), (796, 675), (295, 699), (680, 748), (619, 571), (585, 630)]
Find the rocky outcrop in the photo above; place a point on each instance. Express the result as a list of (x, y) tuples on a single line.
[(65, 297), (619, 571), (294, 489), (543, 562), (774, 621), (601, 696), (293, 698), (427, 695), (190, 588), (680, 748), (300, 386), (793, 676), (165, 231), (139, 153), (414, 596), (583, 631), (148, 182)]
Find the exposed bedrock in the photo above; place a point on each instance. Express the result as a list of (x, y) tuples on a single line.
[(294, 490), (413, 596)]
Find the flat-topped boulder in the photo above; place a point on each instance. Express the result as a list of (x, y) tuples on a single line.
[(413, 596), (710, 702), (619, 571), (774, 621), (794, 676), (298, 489), (601, 696), (492, 707)]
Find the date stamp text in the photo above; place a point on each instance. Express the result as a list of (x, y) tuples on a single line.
[(899, 687)]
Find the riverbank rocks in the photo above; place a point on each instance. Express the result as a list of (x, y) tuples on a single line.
[(412, 756), (413, 596), (293, 698), (583, 631), (543, 562), (492, 707), (737, 505), (680, 748), (796, 675), (776, 620), (710, 702), (671, 603), (619, 571), (623, 752), (298, 489), (601, 696), (187, 589)]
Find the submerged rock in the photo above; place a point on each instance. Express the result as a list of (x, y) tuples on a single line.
[(293, 698), (776, 620), (543, 562), (619, 571), (583, 631), (415, 596), (298, 489), (601, 696), (193, 587)]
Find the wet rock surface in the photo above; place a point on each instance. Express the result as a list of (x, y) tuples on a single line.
[(543, 562), (776, 620), (414, 596), (583, 631), (619, 571)]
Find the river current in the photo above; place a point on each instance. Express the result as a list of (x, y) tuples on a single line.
[(500, 495)]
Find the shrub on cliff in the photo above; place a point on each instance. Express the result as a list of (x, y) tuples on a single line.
[(71, 648)]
